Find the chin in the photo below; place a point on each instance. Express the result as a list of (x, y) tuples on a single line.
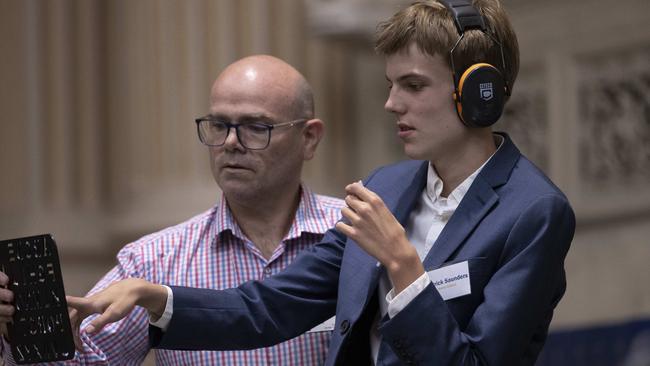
[(242, 196), (234, 186), (414, 153)]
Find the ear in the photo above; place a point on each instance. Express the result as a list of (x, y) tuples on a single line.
[(311, 135)]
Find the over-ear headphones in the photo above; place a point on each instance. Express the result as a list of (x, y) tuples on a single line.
[(480, 90)]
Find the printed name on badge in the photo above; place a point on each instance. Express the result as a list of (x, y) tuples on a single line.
[(451, 281)]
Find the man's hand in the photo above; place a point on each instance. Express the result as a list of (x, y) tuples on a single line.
[(379, 233), (6, 309), (114, 303)]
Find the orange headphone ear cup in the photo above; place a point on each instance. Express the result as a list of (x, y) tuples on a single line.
[(480, 96)]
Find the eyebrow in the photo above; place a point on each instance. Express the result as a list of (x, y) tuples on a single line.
[(248, 118), (412, 75)]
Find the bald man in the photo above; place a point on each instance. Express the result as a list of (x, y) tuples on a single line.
[(259, 131)]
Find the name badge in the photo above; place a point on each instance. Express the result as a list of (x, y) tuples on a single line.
[(451, 281), (327, 325)]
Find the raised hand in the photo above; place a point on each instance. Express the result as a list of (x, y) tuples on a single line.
[(377, 231)]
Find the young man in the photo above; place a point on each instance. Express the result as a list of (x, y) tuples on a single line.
[(456, 258), (260, 130)]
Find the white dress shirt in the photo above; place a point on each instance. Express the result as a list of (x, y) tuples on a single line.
[(424, 225)]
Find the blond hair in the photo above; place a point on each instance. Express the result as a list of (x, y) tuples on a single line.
[(431, 27)]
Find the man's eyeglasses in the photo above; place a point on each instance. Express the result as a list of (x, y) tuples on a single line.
[(253, 136)]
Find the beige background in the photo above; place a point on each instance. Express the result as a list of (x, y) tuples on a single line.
[(98, 144)]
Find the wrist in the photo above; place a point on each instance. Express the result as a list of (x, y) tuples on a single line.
[(405, 270), (152, 297)]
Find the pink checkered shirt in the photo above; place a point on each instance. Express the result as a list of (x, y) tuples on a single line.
[(210, 251)]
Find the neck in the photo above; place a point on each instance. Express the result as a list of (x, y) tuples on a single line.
[(473, 153), (266, 221)]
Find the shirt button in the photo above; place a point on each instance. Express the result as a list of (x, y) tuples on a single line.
[(267, 271), (345, 326)]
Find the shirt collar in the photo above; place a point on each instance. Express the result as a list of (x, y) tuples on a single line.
[(435, 184), (309, 218)]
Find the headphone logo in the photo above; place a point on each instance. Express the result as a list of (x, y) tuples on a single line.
[(487, 91)]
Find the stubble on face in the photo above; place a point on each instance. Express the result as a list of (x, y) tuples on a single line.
[(257, 88)]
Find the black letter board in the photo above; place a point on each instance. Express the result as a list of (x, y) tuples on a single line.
[(41, 327)]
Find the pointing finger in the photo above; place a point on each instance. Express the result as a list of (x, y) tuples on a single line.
[(108, 316), (82, 304)]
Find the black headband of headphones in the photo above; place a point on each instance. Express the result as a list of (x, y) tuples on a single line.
[(466, 17)]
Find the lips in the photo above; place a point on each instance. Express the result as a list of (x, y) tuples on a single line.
[(235, 166), (404, 130), (404, 127)]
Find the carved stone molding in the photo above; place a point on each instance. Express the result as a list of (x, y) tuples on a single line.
[(525, 118), (345, 18), (337, 18), (614, 105)]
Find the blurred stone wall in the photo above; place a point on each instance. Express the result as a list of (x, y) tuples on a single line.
[(98, 145)]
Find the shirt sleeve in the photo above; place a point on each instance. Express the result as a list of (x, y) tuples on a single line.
[(163, 321), (399, 302)]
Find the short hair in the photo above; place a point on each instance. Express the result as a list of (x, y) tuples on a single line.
[(431, 27), (303, 104)]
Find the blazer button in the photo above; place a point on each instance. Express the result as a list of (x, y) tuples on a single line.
[(345, 326)]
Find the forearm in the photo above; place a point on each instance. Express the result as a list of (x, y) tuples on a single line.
[(255, 314)]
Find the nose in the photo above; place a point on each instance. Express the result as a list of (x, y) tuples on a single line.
[(232, 141), (393, 105)]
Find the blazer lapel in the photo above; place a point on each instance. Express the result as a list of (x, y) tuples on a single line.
[(475, 205), (478, 201)]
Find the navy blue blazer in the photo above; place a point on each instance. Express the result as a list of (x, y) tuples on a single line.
[(514, 227)]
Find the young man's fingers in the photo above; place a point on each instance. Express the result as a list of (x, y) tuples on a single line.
[(82, 304), (347, 230), (353, 202), (78, 344), (350, 215), (110, 315), (363, 193), (73, 314)]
